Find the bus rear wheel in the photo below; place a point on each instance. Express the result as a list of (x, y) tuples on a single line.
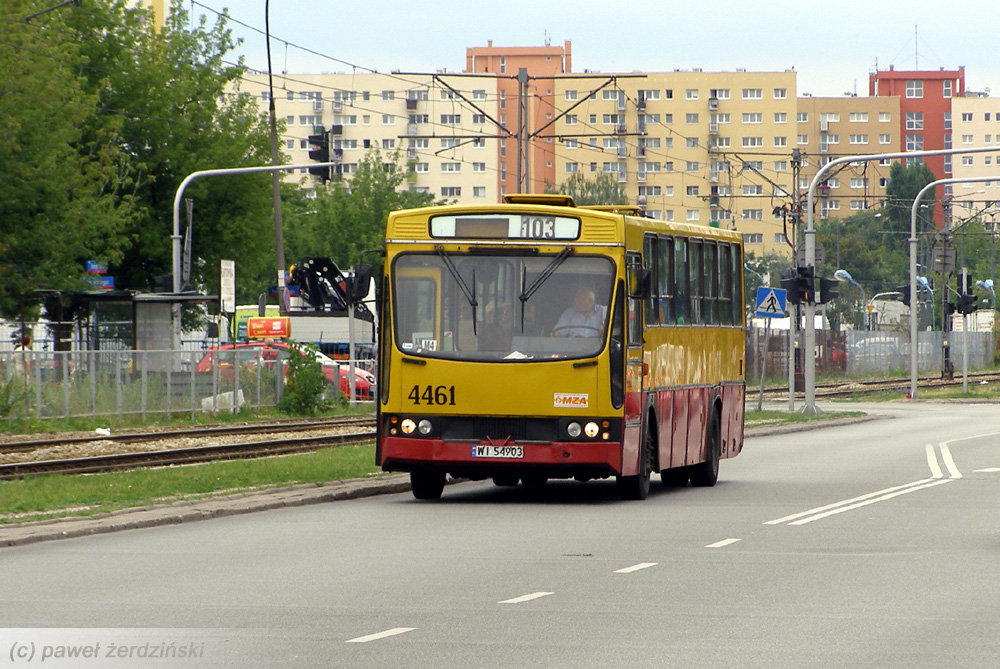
[(427, 484), (706, 474), (637, 487)]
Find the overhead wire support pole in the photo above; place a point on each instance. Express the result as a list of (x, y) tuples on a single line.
[(913, 269), (809, 334)]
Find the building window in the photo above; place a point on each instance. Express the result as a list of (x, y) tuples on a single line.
[(885, 139), (802, 117), (389, 143), (753, 142), (692, 215), (691, 119), (885, 117), (780, 117), (780, 142), (753, 237), (572, 119), (691, 142), (914, 142), (946, 88), (388, 95), (859, 139), (692, 191), (479, 191), (451, 167), (692, 166), (451, 119), (388, 119), (780, 93), (914, 88), (753, 214), (753, 94), (859, 182), (859, 117), (753, 190), (572, 168), (451, 191), (691, 94), (753, 118), (570, 95)]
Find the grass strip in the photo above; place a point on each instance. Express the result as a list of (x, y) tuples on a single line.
[(42, 497)]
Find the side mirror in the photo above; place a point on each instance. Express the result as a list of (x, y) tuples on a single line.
[(638, 283), (359, 284)]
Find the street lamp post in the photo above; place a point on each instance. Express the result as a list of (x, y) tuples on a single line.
[(844, 275)]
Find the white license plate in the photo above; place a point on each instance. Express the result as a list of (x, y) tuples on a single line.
[(509, 452)]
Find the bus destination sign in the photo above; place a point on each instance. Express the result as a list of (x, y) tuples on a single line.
[(505, 226)]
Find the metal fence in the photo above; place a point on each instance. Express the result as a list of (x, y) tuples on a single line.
[(48, 384), (857, 354)]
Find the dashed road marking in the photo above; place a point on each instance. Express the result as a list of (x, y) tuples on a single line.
[(526, 598), (724, 542), (381, 635), (636, 567)]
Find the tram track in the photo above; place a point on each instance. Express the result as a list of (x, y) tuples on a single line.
[(89, 454), (872, 386)]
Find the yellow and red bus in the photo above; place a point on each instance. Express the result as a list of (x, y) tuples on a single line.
[(536, 339)]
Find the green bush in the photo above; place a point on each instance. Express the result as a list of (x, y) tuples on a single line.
[(306, 384)]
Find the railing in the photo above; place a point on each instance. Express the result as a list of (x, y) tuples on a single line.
[(115, 383)]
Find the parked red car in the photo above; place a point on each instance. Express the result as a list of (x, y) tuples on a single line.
[(257, 353)]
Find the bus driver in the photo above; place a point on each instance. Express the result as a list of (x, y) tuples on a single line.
[(583, 319)]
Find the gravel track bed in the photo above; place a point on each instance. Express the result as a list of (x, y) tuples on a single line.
[(106, 447)]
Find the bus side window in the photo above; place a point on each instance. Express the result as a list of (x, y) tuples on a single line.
[(681, 305), (665, 278), (694, 273), (649, 262), (710, 283), (726, 284)]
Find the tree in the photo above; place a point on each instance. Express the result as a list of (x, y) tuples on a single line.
[(904, 185), (602, 189), (166, 98), (54, 209)]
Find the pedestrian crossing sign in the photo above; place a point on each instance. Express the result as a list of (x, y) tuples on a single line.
[(770, 302)]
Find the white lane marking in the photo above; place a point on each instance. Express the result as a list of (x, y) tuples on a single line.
[(526, 598), (932, 462), (948, 461), (381, 635), (724, 542), (820, 509), (636, 567), (842, 509), (988, 470)]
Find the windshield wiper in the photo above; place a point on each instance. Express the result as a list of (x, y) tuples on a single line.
[(470, 295), (526, 293)]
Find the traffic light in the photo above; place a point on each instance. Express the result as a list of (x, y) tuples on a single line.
[(800, 285), (966, 303), (905, 297), (320, 152), (827, 292)]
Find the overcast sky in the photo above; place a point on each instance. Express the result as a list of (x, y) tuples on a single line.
[(832, 45)]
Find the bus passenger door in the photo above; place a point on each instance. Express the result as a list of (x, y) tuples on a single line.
[(634, 377)]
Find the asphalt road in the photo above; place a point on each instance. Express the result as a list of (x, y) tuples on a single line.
[(867, 545)]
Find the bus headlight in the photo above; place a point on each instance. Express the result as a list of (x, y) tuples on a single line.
[(574, 429), (408, 426), (424, 427), (591, 429)]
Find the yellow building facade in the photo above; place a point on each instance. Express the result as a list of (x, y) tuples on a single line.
[(440, 125)]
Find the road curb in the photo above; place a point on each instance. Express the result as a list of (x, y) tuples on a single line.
[(277, 498)]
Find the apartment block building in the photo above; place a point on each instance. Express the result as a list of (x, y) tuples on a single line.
[(832, 128), (976, 123), (440, 124), (709, 148)]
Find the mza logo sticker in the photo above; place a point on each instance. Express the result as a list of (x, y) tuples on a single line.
[(570, 400)]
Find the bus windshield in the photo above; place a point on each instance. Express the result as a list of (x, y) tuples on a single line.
[(512, 306)]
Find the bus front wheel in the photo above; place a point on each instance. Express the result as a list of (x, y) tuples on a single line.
[(637, 487), (427, 484)]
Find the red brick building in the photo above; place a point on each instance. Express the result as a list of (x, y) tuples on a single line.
[(540, 62)]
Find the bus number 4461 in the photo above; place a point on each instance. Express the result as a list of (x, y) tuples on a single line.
[(432, 395)]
